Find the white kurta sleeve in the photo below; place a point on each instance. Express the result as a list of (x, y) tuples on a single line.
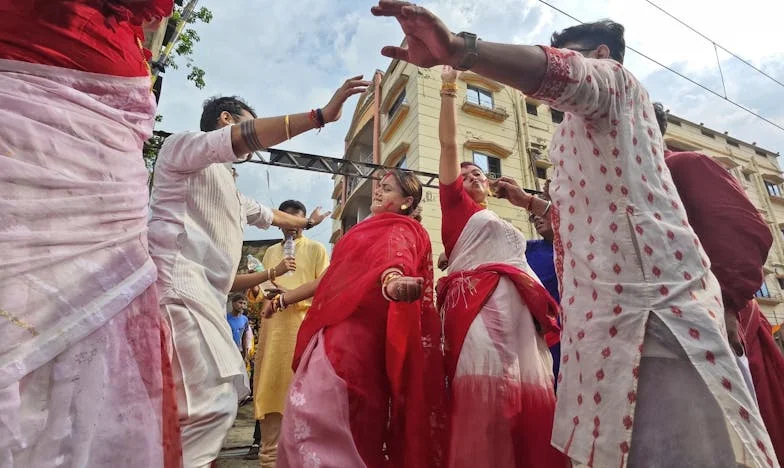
[(193, 151), (255, 213)]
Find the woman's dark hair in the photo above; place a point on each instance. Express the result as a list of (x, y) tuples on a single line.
[(293, 205), (465, 164), (661, 116), (592, 35), (410, 186), (215, 106)]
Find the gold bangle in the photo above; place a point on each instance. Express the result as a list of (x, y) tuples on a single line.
[(448, 93), (449, 87), (288, 127), (389, 277), (272, 274)]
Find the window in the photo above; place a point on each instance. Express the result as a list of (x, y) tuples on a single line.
[(401, 163), (773, 189), (674, 122), (541, 173), (489, 164), (531, 108), (747, 176), (396, 105), (556, 115), (707, 134), (760, 153), (480, 97), (733, 143), (763, 291), (781, 283)]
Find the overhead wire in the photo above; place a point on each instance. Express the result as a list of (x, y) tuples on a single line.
[(734, 103)]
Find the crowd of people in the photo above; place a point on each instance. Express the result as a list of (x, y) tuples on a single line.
[(626, 336)]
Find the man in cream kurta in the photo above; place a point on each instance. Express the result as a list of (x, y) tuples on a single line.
[(278, 334), (195, 235)]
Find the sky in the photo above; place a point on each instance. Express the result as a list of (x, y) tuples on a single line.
[(290, 56)]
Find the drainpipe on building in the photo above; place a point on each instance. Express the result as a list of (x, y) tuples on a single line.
[(377, 76), (527, 136)]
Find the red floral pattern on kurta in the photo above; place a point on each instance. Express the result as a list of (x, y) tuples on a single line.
[(624, 249)]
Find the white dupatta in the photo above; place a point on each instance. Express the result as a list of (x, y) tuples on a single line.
[(73, 207)]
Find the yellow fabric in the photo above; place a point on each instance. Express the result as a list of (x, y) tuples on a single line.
[(278, 334), (255, 301)]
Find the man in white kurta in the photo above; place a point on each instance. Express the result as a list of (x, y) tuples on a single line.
[(627, 257), (195, 237)]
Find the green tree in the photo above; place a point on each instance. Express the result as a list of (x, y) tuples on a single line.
[(183, 49), (182, 53)]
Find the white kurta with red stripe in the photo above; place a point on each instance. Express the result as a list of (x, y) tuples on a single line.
[(624, 249)]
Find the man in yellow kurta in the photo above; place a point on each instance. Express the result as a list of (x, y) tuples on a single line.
[(278, 334)]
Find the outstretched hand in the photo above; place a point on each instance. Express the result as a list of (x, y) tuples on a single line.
[(334, 109), (317, 216), (428, 41)]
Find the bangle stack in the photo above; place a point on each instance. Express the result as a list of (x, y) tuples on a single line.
[(278, 303), (288, 127), (317, 117), (388, 278), (449, 89), (272, 274)]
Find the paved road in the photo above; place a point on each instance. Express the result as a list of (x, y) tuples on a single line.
[(236, 445)]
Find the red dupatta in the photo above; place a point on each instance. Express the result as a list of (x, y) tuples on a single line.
[(474, 287), (414, 364), (767, 372)]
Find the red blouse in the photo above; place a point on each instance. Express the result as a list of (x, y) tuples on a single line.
[(457, 207), (99, 36)]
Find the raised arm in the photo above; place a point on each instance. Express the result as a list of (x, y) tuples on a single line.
[(449, 165), (241, 135), (263, 217), (259, 134), (430, 43), (565, 79)]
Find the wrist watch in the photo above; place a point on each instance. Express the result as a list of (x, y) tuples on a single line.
[(309, 224), (470, 53)]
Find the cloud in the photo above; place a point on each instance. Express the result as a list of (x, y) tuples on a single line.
[(288, 57)]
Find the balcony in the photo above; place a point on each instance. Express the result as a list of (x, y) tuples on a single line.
[(496, 113)]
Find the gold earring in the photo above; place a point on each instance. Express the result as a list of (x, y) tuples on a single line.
[(404, 207)]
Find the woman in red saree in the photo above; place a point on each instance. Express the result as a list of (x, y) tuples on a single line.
[(496, 313), (767, 371), (84, 376), (368, 389)]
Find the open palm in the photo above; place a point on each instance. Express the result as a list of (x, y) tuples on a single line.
[(428, 41)]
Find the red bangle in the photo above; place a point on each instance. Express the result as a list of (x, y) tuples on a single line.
[(314, 117)]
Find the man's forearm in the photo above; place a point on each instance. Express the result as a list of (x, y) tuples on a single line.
[(266, 132), (519, 66), (242, 282), (284, 220)]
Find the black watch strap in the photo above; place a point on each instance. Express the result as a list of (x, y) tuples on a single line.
[(471, 53), (309, 224)]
